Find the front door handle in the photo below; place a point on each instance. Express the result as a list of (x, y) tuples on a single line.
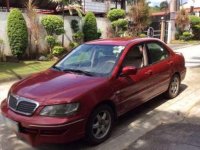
[(149, 72)]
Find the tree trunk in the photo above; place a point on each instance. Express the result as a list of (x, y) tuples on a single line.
[(123, 4), (8, 5)]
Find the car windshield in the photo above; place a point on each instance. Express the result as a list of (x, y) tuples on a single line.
[(91, 59)]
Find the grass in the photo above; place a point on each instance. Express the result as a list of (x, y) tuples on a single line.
[(185, 42), (10, 70)]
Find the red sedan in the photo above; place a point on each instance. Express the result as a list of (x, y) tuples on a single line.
[(87, 90)]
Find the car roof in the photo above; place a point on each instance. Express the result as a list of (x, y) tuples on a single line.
[(120, 41)]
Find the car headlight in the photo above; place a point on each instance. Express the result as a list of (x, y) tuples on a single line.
[(60, 110)]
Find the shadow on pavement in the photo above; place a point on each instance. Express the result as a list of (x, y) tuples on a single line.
[(175, 136)]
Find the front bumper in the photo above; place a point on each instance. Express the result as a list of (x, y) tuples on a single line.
[(38, 130)]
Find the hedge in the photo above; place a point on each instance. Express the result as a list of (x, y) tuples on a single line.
[(17, 32), (90, 27)]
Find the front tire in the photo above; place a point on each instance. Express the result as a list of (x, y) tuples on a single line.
[(174, 87), (99, 125)]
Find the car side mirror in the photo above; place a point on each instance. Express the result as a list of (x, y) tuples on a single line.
[(129, 70)]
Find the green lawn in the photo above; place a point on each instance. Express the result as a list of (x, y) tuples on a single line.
[(10, 70), (185, 42)]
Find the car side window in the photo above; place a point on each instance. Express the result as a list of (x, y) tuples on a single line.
[(156, 52), (135, 57)]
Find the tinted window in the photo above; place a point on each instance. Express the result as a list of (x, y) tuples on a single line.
[(156, 52)]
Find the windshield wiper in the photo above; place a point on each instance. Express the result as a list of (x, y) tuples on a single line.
[(56, 68), (78, 71)]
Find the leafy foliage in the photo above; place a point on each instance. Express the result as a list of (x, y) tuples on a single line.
[(195, 25), (51, 41), (140, 17), (182, 20), (78, 37), (90, 27), (116, 14), (122, 24), (194, 20), (54, 25), (72, 45), (17, 32), (164, 5), (58, 50), (142, 35), (75, 26), (118, 23), (99, 33), (186, 36)]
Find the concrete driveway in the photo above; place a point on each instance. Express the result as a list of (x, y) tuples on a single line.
[(158, 124), (191, 54)]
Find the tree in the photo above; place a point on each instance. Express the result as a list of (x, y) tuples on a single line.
[(34, 25), (17, 33), (90, 27), (54, 25), (118, 21), (139, 15), (164, 5), (182, 20)]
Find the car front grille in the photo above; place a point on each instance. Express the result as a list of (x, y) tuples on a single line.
[(22, 105)]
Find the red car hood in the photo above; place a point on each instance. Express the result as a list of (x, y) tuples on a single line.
[(53, 86)]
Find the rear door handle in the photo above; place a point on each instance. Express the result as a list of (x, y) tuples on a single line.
[(149, 72)]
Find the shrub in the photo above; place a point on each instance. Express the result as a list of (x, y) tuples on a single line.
[(75, 26), (72, 45), (116, 14), (196, 32), (90, 27), (78, 37), (142, 35), (195, 25), (194, 20), (58, 50), (54, 25), (17, 32), (51, 41), (186, 36), (121, 24), (99, 33)]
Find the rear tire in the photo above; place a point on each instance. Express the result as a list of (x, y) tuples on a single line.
[(174, 87), (99, 125)]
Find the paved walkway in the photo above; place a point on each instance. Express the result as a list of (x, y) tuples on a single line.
[(191, 54)]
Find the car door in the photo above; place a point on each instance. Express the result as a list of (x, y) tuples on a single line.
[(132, 90), (159, 60)]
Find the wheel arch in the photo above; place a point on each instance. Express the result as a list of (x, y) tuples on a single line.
[(109, 103)]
